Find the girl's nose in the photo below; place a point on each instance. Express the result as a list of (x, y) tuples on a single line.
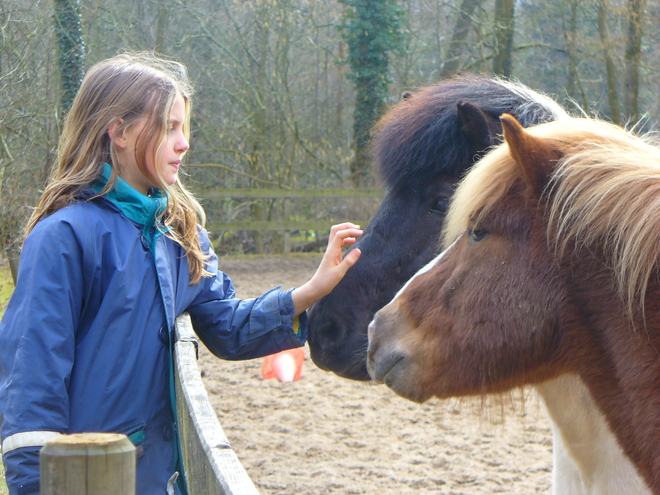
[(182, 145)]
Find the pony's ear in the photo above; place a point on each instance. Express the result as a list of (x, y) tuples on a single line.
[(481, 129), (532, 154)]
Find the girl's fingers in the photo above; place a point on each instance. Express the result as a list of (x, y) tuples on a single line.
[(345, 225), (347, 235), (341, 227)]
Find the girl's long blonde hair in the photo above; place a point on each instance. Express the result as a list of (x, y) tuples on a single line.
[(125, 89)]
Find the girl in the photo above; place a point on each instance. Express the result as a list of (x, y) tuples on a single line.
[(113, 255)]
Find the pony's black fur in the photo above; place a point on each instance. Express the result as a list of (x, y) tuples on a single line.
[(422, 138), (421, 148)]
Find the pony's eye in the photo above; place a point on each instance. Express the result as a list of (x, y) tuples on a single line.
[(477, 233), (441, 205)]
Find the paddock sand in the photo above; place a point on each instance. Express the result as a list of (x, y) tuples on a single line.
[(328, 435)]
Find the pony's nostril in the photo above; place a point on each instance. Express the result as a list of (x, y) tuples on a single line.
[(380, 367)]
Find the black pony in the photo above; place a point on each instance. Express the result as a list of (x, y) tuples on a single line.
[(421, 147)]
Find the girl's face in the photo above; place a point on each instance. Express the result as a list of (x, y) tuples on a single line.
[(168, 156)]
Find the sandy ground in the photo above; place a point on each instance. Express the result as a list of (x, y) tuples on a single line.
[(327, 435)]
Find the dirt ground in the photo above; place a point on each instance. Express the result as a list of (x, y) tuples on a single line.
[(327, 435)]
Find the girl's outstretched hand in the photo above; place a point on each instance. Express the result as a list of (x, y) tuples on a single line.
[(332, 269)]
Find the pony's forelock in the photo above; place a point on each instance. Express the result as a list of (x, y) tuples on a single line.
[(483, 187)]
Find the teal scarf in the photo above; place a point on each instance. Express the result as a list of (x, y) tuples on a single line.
[(141, 209)]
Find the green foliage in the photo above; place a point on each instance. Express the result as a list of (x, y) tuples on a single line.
[(6, 289), (3, 486), (372, 30)]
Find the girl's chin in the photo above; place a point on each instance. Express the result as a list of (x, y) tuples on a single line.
[(170, 179)]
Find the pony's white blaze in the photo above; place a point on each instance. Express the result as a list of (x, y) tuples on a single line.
[(426, 268)]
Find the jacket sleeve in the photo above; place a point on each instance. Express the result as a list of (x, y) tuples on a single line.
[(37, 349), (238, 329)]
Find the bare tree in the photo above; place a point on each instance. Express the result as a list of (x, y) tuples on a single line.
[(28, 119), (504, 31), (610, 67), (633, 57), (456, 45), (574, 87)]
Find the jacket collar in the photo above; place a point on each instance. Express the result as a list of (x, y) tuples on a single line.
[(139, 208)]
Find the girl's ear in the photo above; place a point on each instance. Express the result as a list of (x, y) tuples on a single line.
[(117, 138)]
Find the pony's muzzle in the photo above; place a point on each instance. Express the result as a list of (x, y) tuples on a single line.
[(383, 354)]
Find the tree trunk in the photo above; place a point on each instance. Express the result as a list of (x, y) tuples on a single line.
[(368, 109), (258, 119), (612, 83), (69, 36), (161, 28), (453, 58), (633, 57), (504, 30), (573, 84), (339, 93)]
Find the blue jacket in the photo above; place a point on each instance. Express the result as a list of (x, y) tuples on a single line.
[(84, 342)]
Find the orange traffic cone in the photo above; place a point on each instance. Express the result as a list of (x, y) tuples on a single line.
[(286, 366)]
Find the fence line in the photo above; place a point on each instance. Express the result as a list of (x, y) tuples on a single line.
[(284, 222), (210, 463)]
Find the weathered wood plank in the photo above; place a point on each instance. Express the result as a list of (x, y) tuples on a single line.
[(211, 464), (88, 464)]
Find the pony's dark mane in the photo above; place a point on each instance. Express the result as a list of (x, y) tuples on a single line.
[(420, 138)]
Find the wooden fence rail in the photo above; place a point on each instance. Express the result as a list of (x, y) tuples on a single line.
[(211, 465)]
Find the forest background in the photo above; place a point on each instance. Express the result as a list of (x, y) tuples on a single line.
[(287, 90)]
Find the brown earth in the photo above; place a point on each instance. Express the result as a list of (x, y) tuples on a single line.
[(327, 435)]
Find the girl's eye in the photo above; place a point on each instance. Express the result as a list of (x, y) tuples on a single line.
[(477, 233)]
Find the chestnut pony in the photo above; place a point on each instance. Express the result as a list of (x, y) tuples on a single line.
[(550, 273)]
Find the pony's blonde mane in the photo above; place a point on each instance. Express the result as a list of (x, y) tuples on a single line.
[(604, 191)]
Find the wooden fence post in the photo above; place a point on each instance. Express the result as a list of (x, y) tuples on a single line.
[(13, 257), (286, 237), (88, 464)]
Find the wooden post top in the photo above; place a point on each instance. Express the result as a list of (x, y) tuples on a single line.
[(88, 444)]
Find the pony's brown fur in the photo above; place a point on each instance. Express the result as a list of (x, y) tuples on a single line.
[(604, 190)]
